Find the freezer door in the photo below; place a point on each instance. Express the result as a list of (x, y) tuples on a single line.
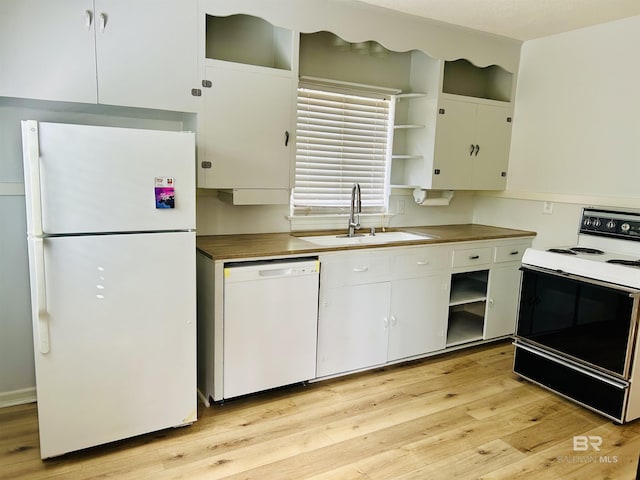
[(86, 179), (121, 317)]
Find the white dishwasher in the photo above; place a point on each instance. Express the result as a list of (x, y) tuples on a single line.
[(270, 324)]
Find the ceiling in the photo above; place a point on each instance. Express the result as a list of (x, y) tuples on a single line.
[(517, 19)]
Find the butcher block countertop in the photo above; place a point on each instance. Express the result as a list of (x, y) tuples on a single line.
[(254, 245)]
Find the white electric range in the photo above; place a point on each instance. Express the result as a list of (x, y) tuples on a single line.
[(578, 318)]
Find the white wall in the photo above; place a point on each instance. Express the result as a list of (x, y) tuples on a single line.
[(576, 132), (577, 116), (215, 217)]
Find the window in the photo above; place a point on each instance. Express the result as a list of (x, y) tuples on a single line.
[(341, 139)]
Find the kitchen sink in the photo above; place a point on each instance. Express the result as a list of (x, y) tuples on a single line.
[(362, 239)]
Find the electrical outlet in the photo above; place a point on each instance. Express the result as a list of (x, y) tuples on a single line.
[(547, 208)]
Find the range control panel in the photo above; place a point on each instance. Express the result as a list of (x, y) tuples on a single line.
[(609, 223)]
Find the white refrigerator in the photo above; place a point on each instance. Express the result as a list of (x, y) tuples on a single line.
[(111, 238)]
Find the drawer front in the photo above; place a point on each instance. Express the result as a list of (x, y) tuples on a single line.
[(421, 260), (355, 269), (509, 253), (472, 256)]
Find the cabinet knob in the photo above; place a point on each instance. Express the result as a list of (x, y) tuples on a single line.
[(286, 138), (103, 21), (422, 262), (394, 321), (477, 150), (471, 149), (361, 269), (207, 83), (196, 92), (474, 257), (88, 16)]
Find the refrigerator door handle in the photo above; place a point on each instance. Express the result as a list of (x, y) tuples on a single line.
[(41, 296), (33, 151)]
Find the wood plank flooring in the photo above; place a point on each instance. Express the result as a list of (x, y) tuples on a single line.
[(462, 415)]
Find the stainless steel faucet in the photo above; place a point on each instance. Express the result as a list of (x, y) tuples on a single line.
[(356, 209)]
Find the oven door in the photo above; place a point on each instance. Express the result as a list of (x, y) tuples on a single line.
[(593, 323)]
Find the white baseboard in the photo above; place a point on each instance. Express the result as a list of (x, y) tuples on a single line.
[(17, 397)]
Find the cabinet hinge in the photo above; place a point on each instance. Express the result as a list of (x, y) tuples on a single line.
[(441, 111), (207, 83), (205, 164), (196, 92)]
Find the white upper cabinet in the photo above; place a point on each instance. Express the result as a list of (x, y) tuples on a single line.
[(471, 146), (248, 128), (47, 50), (248, 133), (147, 53), (116, 52), (467, 114)]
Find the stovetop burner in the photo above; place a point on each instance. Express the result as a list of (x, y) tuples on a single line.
[(565, 251), (629, 263), (590, 251), (577, 250)]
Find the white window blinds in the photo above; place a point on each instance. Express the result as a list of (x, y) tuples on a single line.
[(341, 140)]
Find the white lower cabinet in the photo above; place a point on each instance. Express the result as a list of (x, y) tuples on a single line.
[(485, 285), (352, 327), (378, 307), (502, 303), (418, 320)]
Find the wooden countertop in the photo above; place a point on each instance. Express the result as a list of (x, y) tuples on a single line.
[(236, 246)]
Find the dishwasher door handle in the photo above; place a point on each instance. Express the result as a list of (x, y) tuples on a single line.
[(278, 272)]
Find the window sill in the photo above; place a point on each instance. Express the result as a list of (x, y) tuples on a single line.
[(331, 221)]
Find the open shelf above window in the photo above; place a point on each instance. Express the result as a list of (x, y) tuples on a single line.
[(461, 77), (248, 40)]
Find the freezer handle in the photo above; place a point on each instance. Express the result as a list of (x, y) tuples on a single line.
[(41, 296), (33, 151)]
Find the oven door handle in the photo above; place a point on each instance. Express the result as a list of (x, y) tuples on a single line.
[(633, 292), (572, 366)]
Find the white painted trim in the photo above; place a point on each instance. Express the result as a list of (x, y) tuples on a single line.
[(11, 188), (17, 397), (624, 202)]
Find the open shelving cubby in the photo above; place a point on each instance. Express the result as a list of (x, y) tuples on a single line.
[(467, 304), (461, 77), (248, 40)]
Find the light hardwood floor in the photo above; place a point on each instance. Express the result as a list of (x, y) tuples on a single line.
[(460, 415)]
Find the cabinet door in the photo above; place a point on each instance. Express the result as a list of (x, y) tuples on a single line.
[(48, 50), (247, 125), (353, 327), (493, 137), (503, 296), (455, 134), (147, 53), (418, 321)]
